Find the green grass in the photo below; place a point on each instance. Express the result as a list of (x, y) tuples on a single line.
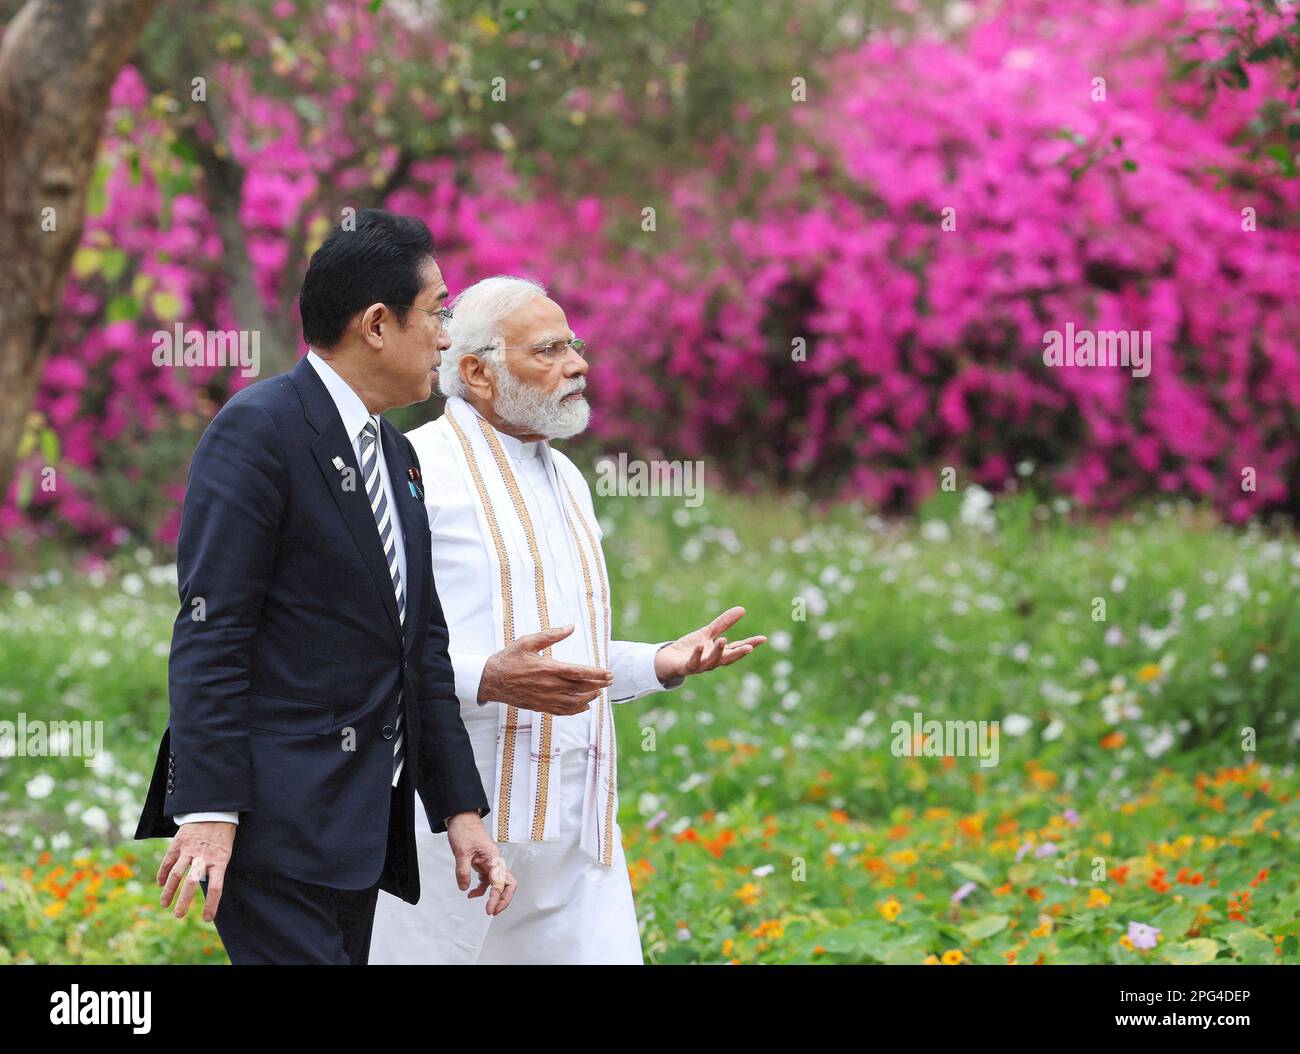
[(1145, 763)]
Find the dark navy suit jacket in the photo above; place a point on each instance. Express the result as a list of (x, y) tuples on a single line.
[(287, 653)]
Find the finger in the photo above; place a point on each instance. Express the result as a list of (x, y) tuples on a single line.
[(544, 639), (725, 621), (714, 654), (567, 709), (174, 877), (580, 674), (198, 870), (212, 897), (507, 894), (168, 861), (734, 653), (480, 889), (693, 663), (462, 871)]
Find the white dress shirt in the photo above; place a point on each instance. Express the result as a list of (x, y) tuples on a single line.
[(353, 413)]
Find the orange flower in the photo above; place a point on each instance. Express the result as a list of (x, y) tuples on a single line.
[(748, 894), (688, 835), (1149, 673), (1113, 740), (770, 928), (1260, 879), (718, 846), (953, 957), (1034, 893), (840, 816)]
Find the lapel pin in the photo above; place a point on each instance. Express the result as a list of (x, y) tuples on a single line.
[(412, 481), (338, 463)]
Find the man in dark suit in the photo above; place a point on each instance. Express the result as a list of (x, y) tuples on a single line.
[(311, 692)]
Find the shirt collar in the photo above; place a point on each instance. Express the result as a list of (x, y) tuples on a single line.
[(350, 407)]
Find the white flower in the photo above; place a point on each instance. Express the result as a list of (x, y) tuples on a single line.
[(1016, 724), (763, 871), (935, 531), (95, 817), (1258, 662), (40, 786)]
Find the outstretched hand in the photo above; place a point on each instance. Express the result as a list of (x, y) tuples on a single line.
[(705, 649)]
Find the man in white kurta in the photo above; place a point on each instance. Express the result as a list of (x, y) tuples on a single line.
[(521, 576)]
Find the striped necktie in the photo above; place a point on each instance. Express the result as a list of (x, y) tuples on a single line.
[(387, 538)]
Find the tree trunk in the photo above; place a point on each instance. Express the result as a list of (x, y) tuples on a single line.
[(58, 61)]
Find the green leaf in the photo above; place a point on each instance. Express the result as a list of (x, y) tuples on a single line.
[(123, 309), (49, 446), (113, 264), (972, 871), (1200, 950), (982, 929), (26, 484), (1251, 944)]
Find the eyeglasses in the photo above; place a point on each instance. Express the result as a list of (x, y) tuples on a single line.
[(442, 312), (555, 350)]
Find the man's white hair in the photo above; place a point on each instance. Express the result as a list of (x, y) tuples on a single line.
[(476, 325)]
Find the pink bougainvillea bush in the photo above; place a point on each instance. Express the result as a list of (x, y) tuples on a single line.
[(847, 304), (925, 340)]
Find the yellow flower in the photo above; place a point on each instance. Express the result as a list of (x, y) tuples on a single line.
[(1150, 672), (953, 957), (1045, 930), (54, 910), (727, 945), (931, 960), (769, 928), (748, 893), (1097, 898), (890, 909), (1125, 942), (904, 857)]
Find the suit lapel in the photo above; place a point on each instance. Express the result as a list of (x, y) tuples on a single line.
[(353, 505)]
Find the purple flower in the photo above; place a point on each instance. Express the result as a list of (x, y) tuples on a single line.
[(963, 891), (1046, 849), (656, 820), (1141, 935), (1072, 817)]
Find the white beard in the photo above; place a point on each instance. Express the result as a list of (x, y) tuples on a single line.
[(544, 413)]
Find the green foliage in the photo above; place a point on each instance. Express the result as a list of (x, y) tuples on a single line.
[(772, 820)]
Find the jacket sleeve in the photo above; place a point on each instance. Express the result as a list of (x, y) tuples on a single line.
[(225, 560)]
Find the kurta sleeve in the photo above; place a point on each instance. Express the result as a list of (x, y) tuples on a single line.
[(633, 666)]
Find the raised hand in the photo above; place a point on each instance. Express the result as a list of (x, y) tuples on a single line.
[(705, 649), (520, 675)]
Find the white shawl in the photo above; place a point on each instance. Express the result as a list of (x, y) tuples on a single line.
[(525, 797)]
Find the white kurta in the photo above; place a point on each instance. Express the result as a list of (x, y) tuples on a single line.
[(568, 907)]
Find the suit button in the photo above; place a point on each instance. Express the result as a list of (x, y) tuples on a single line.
[(388, 731)]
